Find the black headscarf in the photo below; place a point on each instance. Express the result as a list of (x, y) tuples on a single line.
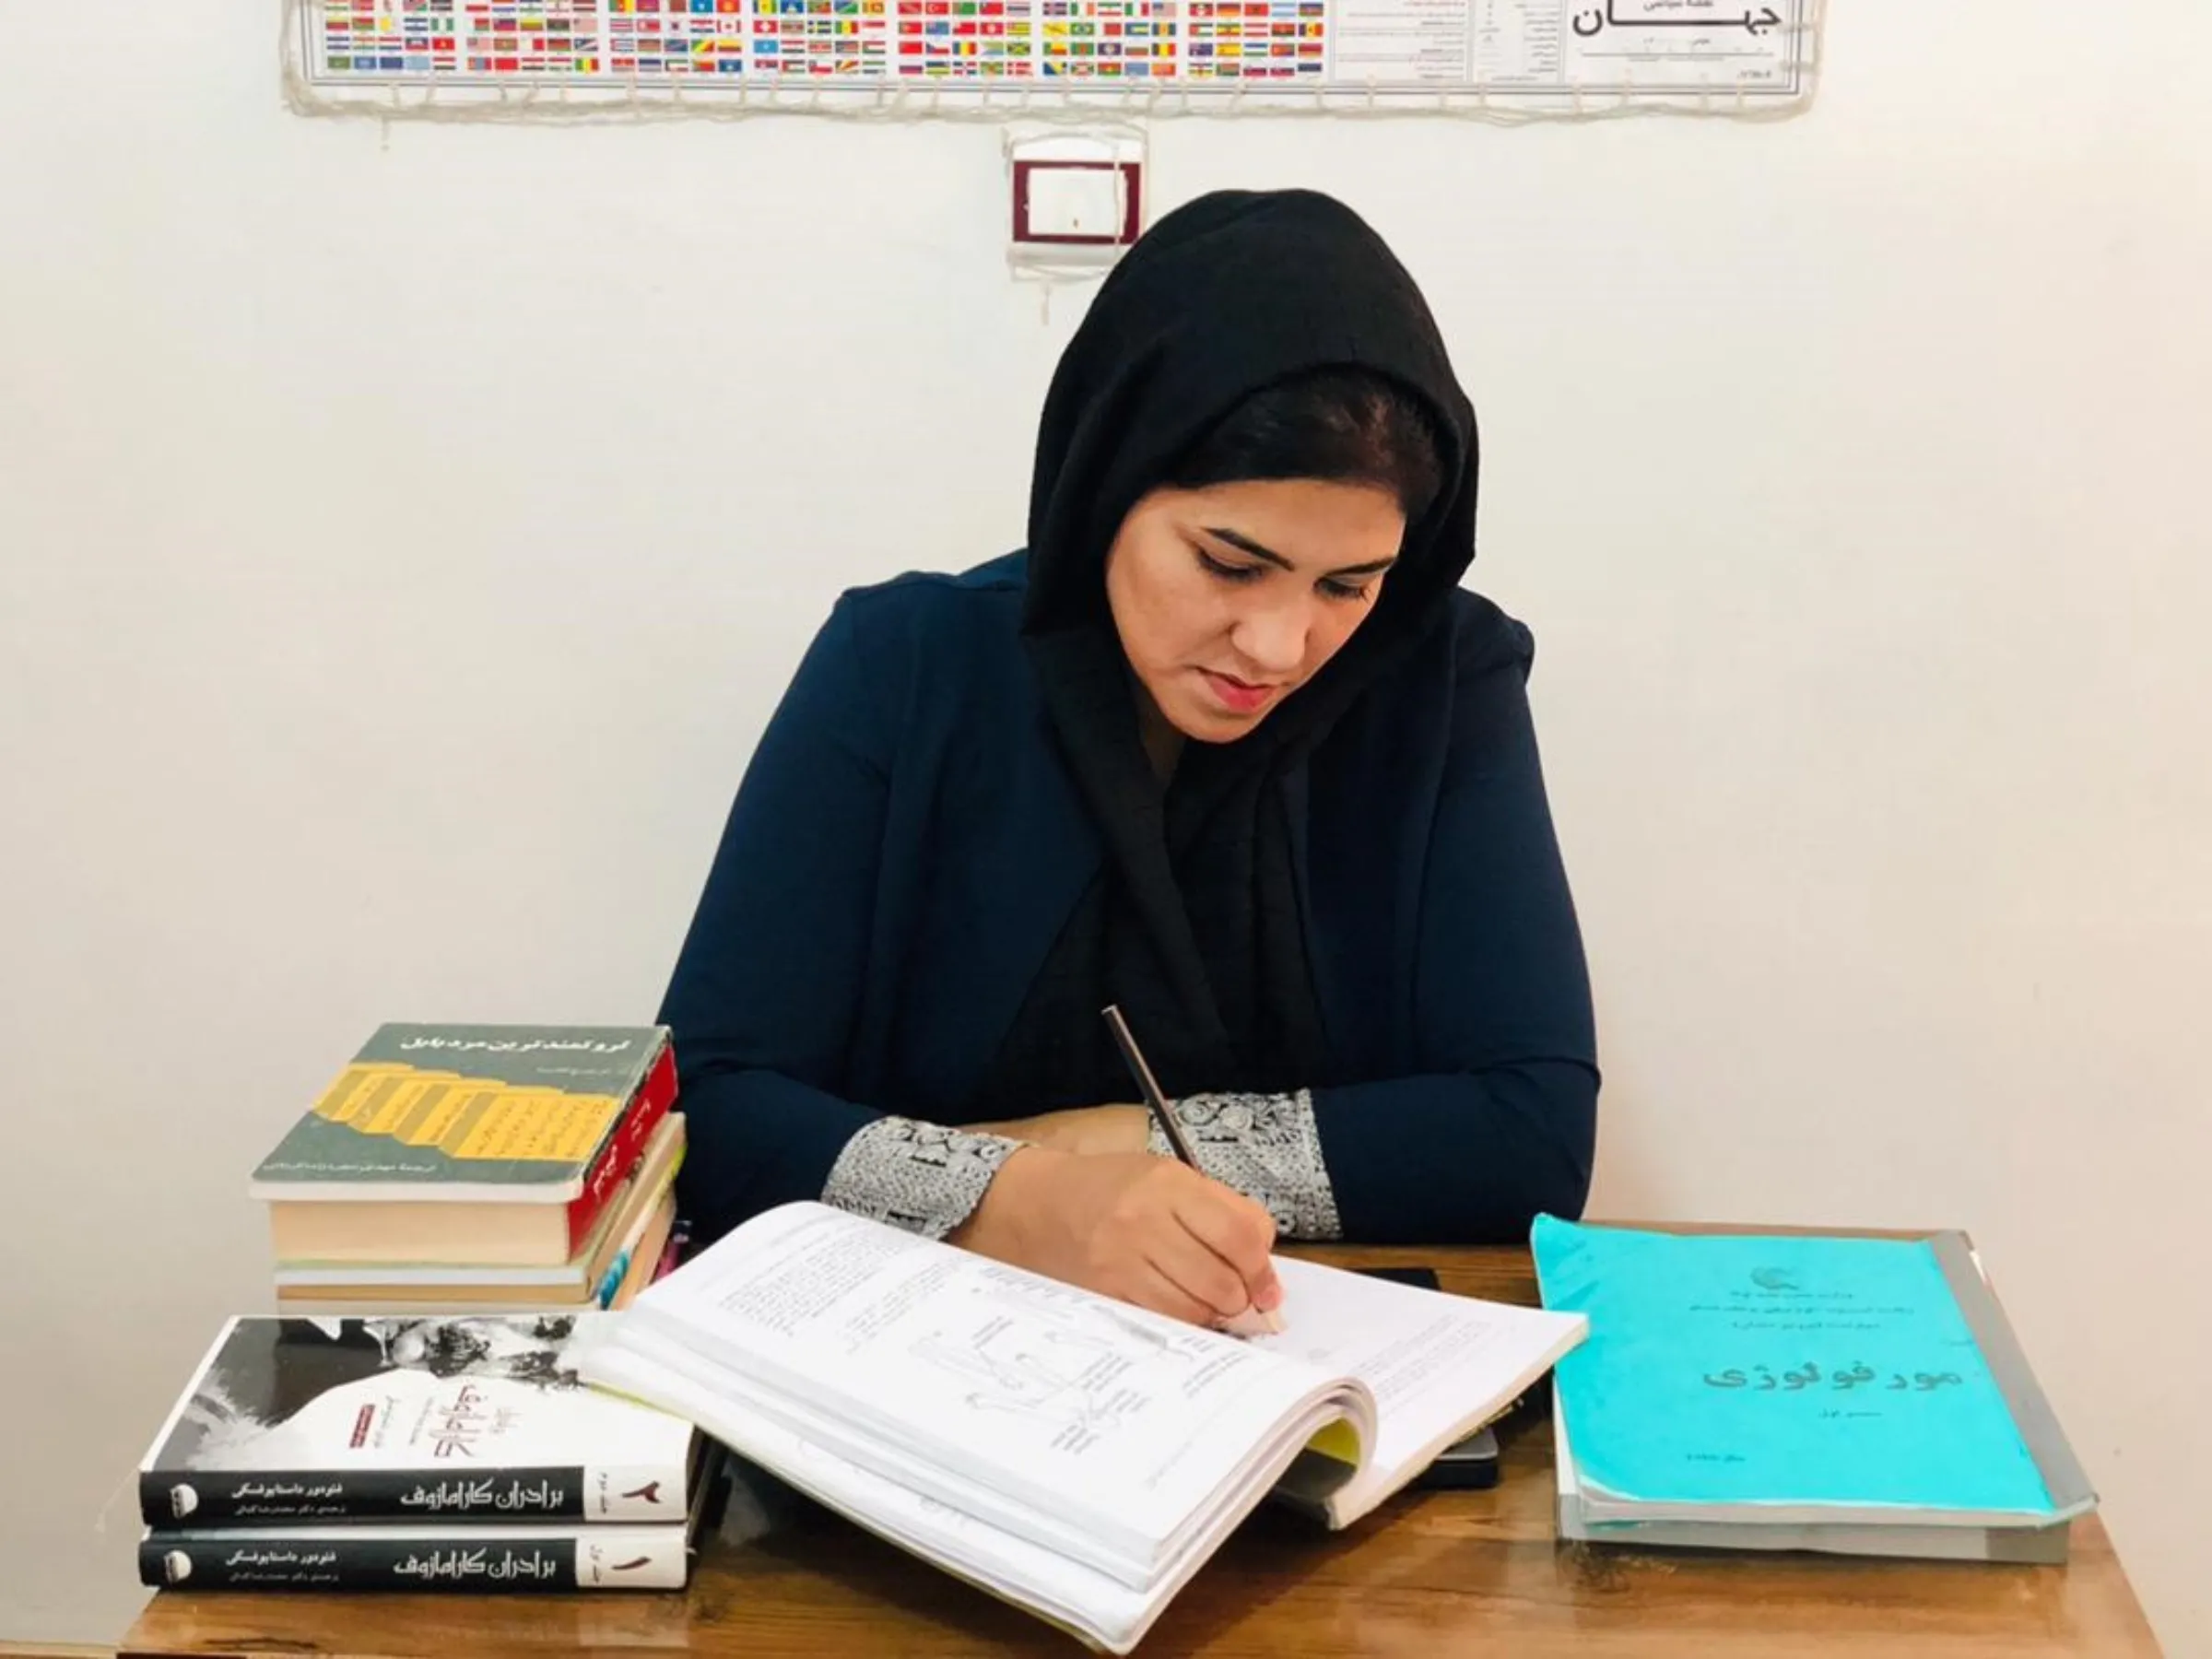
[(1195, 926)]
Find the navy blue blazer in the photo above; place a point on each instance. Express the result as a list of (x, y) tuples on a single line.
[(906, 844)]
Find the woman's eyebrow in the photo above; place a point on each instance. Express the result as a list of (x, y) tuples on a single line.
[(1245, 544)]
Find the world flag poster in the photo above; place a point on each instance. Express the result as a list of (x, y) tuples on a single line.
[(1657, 50)]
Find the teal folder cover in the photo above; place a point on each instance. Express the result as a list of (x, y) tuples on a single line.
[(1782, 1370)]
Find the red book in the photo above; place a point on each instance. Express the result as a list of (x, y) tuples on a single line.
[(647, 1107)]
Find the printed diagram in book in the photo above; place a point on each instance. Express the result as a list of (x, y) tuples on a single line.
[(1076, 1373)]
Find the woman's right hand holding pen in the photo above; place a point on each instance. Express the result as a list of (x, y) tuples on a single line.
[(1149, 1231)]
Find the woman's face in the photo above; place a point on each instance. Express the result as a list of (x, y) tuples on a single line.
[(1229, 598)]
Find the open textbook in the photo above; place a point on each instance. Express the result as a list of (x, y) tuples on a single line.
[(1072, 1453)]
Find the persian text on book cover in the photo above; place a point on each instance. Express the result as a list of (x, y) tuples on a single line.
[(408, 1417), (475, 1104)]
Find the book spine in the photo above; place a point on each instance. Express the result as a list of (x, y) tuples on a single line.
[(672, 1253), (593, 1493), (197, 1498), (651, 1104), (634, 1559)]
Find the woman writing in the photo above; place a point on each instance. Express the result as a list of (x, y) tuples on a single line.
[(1226, 745)]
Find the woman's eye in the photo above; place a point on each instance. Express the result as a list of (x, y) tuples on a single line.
[(1227, 573), (1346, 590)]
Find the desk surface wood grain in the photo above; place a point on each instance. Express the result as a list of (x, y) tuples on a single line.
[(1428, 1574)]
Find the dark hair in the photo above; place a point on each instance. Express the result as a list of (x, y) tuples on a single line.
[(1349, 426)]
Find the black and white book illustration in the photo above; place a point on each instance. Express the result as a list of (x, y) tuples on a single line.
[(420, 1418)]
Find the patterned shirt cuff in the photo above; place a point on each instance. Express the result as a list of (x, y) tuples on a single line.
[(922, 1177), (1269, 1147)]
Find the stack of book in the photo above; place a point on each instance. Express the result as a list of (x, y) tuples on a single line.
[(1800, 1392), (416, 1453), (459, 1168)]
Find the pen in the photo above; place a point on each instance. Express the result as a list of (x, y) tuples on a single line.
[(1156, 1101), (1251, 1322)]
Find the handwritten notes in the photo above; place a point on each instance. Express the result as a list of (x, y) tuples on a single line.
[(1801, 1370)]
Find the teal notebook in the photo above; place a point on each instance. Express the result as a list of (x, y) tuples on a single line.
[(1830, 1375)]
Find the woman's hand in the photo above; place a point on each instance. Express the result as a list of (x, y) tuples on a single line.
[(1147, 1230), (1086, 1130)]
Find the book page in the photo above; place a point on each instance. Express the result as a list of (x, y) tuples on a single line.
[(1004, 1563), (1076, 1405), (1434, 1363)]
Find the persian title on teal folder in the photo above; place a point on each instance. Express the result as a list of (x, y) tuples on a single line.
[(1812, 1371)]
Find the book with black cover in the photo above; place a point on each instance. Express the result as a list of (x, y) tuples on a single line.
[(486, 1557), (429, 1421), (470, 1558)]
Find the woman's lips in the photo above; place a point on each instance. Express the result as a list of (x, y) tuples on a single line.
[(1239, 697)]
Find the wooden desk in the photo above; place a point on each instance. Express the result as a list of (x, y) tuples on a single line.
[(1431, 1575)]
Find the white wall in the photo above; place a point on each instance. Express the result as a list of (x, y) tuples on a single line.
[(401, 544)]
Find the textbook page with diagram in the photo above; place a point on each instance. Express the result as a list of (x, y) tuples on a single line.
[(1072, 1453)]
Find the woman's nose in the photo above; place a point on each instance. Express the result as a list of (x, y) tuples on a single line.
[(1273, 639)]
